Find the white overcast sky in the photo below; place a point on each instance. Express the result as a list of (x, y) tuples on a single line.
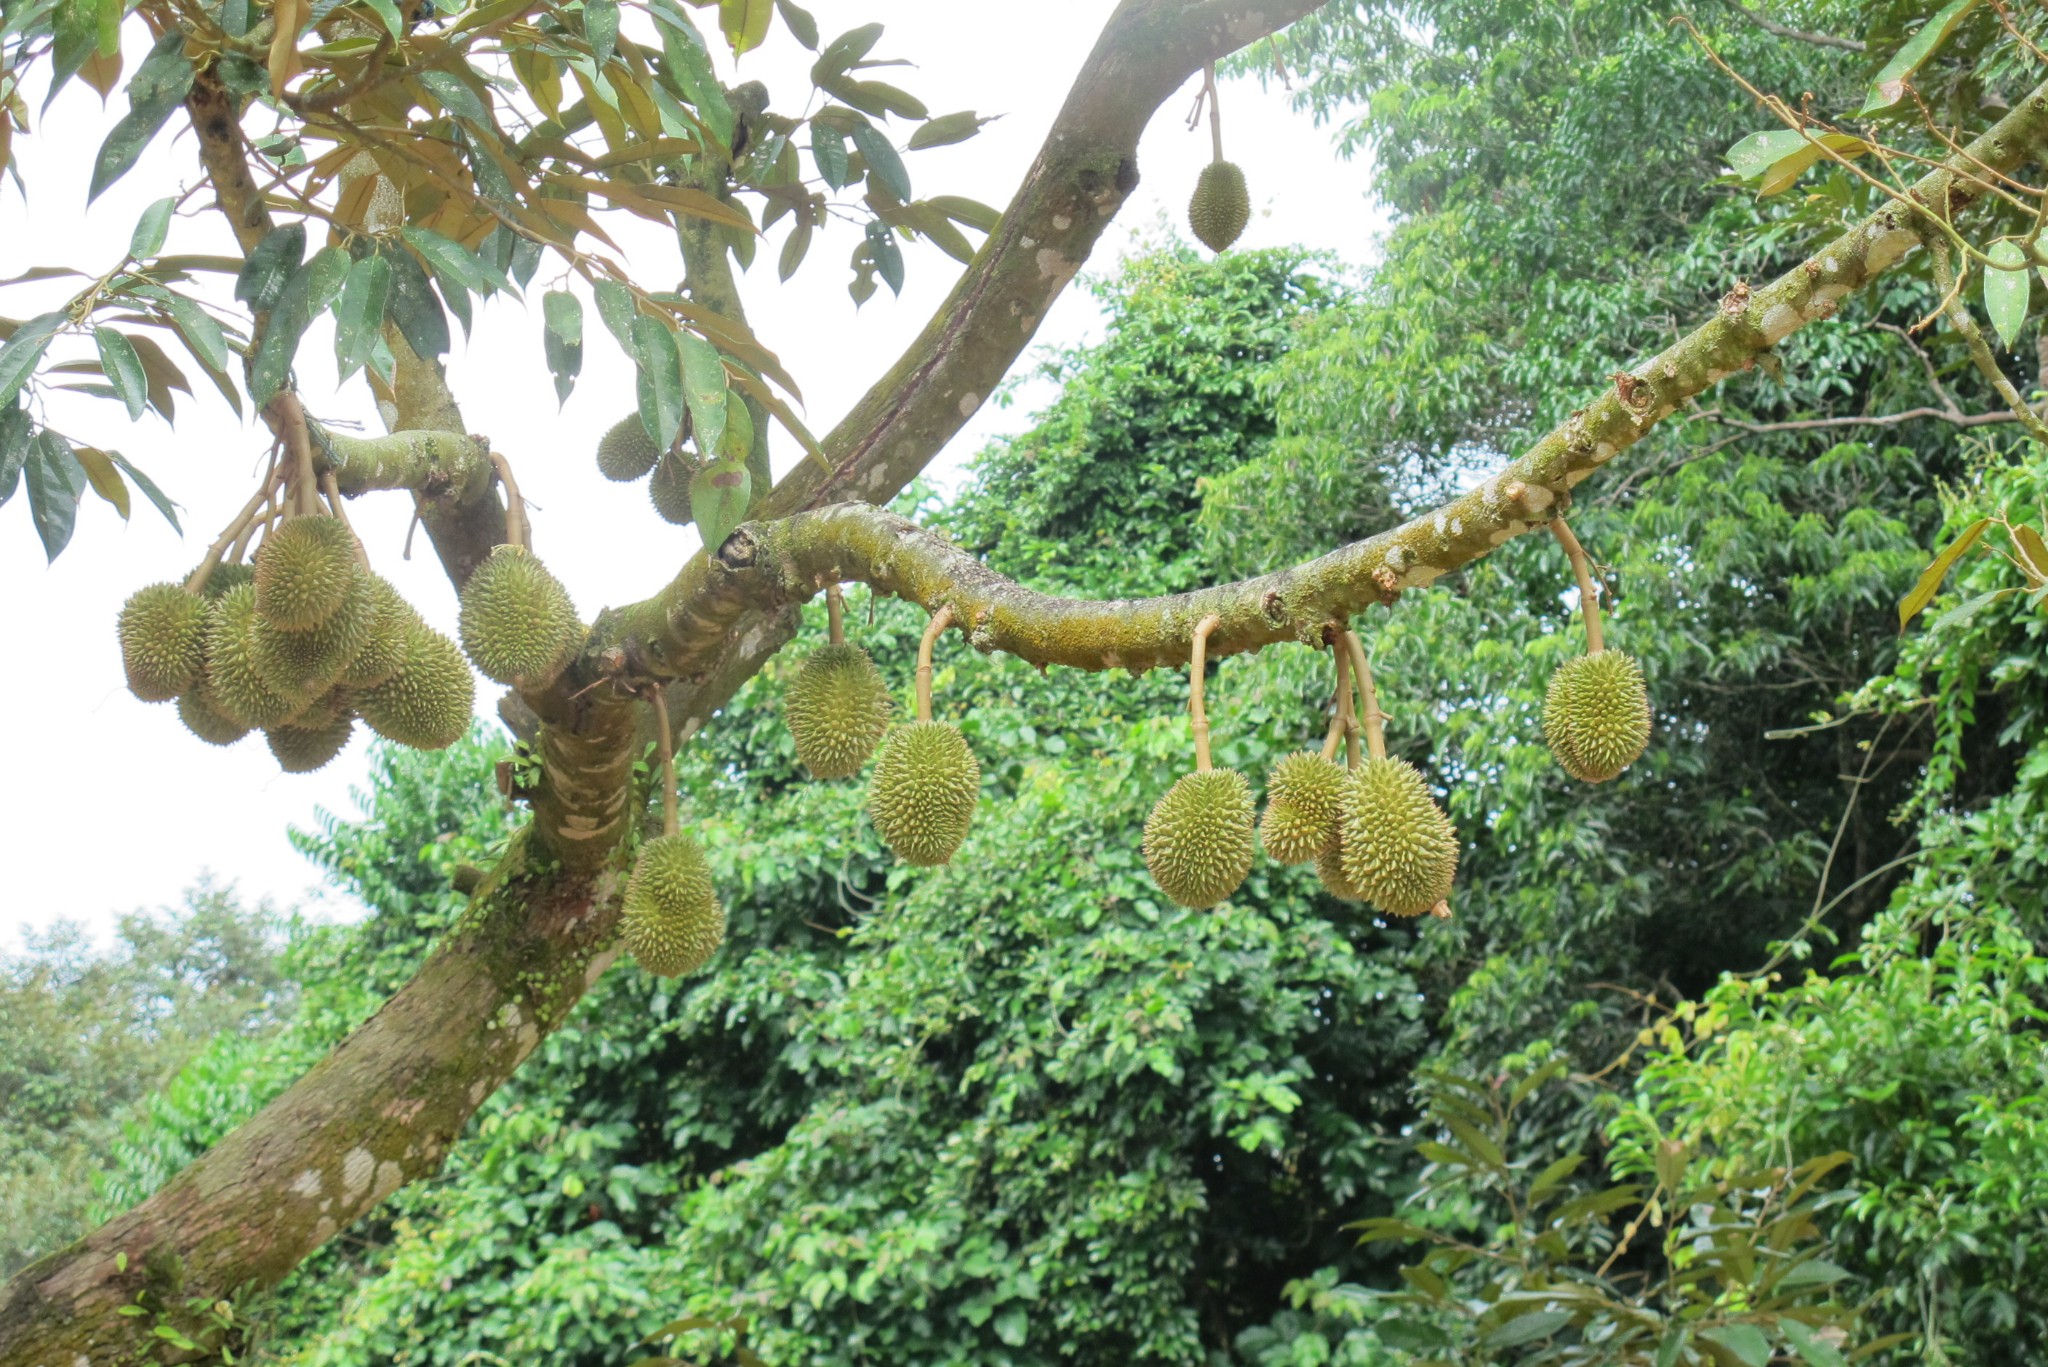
[(112, 805)]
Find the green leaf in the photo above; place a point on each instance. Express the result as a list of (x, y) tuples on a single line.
[(1745, 1341), (1930, 578), (448, 257), (1961, 613), (843, 51), (149, 491), (1527, 1328), (1817, 1351), (1672, 1347), (17, 434), (157, 87), (456, 97), (280, 344), (1548, 1180), (718, 500), (689, 72), (1013, 1326), (601, 29), (704, 389), (887, 256), (1412, 1336), (828, 150), (738, 441), (271, 264), (1812, 1272), (563, 340), (2033, 553), (359, 313), (1889, 86), (123, 369), (151, 229), (387, 14), (799, 22), (410, 303), (963, 210), (660, 380), (745, 23), (616, 307), (105, 480), (1781, 155), (55, 482), (19, 357), (326, 273), (948, 128), (882, 159), (2007, 289), (202, 335)]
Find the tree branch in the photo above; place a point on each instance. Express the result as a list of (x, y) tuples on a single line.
[(1778, 30)]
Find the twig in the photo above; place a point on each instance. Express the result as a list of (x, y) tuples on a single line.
[(941, 619), (332, 488), (1215, 112), (516, 527), (1197, 663), (1589, 593), (231, 534), (1973, 337), (1340, 709), (835, 615), (1369, 698), (1778, 30), (665, 755)]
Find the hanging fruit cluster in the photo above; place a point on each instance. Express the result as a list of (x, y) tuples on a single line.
[(1221, 205)]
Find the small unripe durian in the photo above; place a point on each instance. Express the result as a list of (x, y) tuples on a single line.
[(670, 917), (626, 452), (1221, 205), (517, 621), (235, 687), (837, 709), (301, 749), (1330, 872), (163, 641), (204, 720), (1198, 839), (670, 489), (222, 578), (384, 650), (426, 704), (305, 571), (1304, 798), (1400, 850), (922, 795), (304, 664), (1596, 715)]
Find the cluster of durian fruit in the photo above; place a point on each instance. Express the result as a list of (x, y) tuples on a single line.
[(306, 640), (626, 453)]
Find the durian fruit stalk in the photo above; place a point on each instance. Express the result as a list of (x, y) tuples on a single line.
[(626, 452), (1596, 712), (518, 623), (1397, 849), (1305, 793), (670, 917), (305, 572), (837, 707), (1198, 838), (163, 640), (922, 794)]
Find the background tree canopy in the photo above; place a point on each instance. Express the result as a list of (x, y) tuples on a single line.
[(1737, 1056)]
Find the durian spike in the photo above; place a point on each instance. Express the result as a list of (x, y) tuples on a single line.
[(1197, 662), (515, 504), (1340, 706), (1368, 698), (331, 487), (1589, 593), (235, 534), (835, 615), (665, 755), (941, 619)]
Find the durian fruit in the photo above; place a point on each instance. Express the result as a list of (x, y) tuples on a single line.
[(305, 571), (837, 709), (225, 577), (302, 749), (235, 687), (517, 621), (1596, 715), (384, 650), (426, 704), (670, 917), (304, 664), (1198, 839), (626, 452), (1399, 849), (922, 795), (163, 640), (1220, 206), (670, 489), (1304, 798), (1330, 872), (206, 721)]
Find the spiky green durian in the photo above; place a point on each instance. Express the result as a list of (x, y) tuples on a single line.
[(922, 794), (426, 704), (517, 621), (206, 721), (304, 664), (1220, 206), (302, 749), (670, 917), (1596, 715), (1304, 798), (670, 489), (224, 577), (837, 709), (626, 452), (384, 650), (1198, 839), (305, 571), (235, 687), (163, 641), (1399, 849), (1330, 872)]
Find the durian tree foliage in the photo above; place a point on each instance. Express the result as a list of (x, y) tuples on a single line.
[(384, 1107)]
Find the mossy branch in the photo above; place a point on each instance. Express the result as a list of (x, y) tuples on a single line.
[(448, 465)]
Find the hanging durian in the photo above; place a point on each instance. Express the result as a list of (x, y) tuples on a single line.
[(1220, 206), (384, 650), (517, 621), (1396, 848), (670, 917), (1198, 838), (626, 452), (426, 704), (235, 687), (837, 706), (922, 794), (669, 488), (205, 720), (163, 641), (302, 749), (1596, 712), (305, 571), (303, 664), (1305, 791)]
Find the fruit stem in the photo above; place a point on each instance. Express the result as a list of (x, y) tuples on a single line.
[(332, 488), (835, 615), (665, 755), (1368, 698), (515, 503), (290, 418), (1215, 114), (1589, 593), (1340, 708), (235, 533), (941, 619), (1199, 662)]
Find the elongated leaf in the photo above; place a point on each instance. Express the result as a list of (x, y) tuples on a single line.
[(388, 15), (200, 332), (1817, 1351), (799, 22), (704, 389), (1936, 571), (963, 210), (326, 273), (103, 477), (793, 249), (359, 313), (280, 344), (1777, 158), (1745, 1341), (660, 380), (1671, 1347), (689, 72), (2033, 553), (738, 441), (456, 97), (24, 351), (745, 23), (2008, 289), (1889, 86), (842, 52), (17, 434), (718, 500), (410, 303), (149, 491), (284, 63), (55, 482), (887, 256), (828, 150), (615, 306), (151, 229), (123, 369), (949, 128), (563, 340), (601, 28), (448, 257), (271, 265), (157, 87), (882, 159), (1527, 1328)]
